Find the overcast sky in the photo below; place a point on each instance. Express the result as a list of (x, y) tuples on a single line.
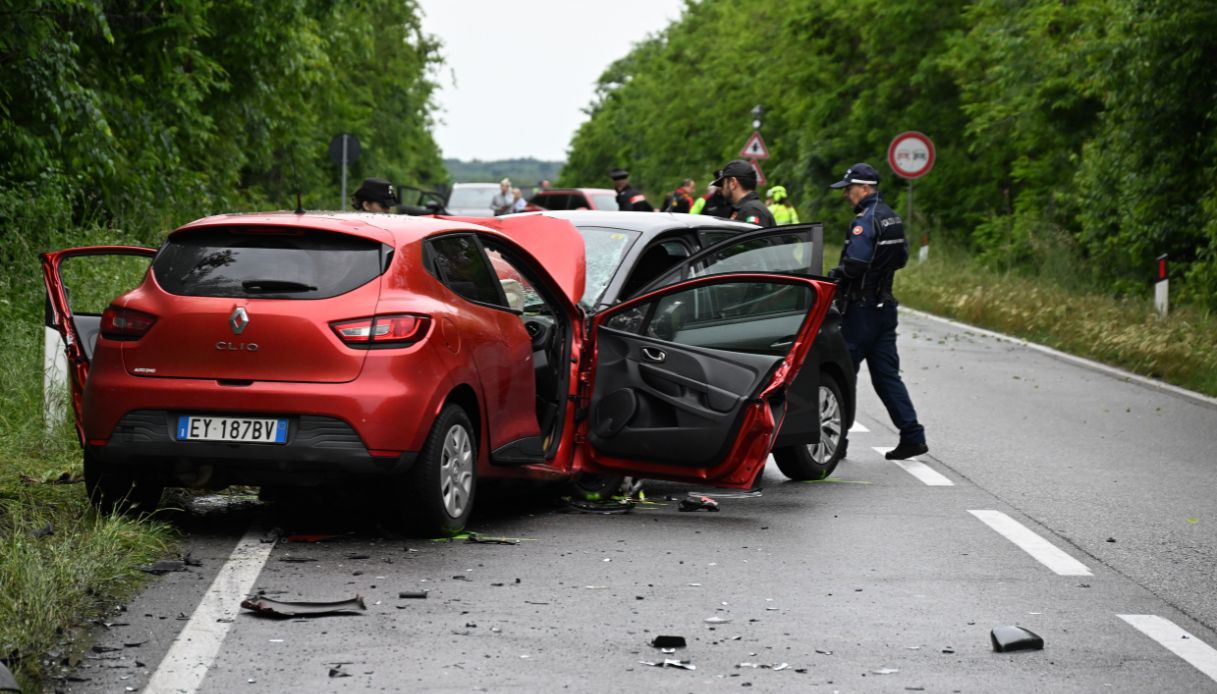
[(519, 72)]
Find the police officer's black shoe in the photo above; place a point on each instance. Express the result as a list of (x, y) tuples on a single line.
[(907, 450)]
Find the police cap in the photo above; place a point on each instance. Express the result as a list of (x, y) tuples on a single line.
[(378, 190), (858, 173), (737, 168), (618, 174)]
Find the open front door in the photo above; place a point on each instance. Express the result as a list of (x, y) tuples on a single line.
[(688, 383), (80, 283)]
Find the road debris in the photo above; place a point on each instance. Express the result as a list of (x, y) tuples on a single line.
[(413, 595), (885, 671), (717, 620), (664, 641), (607, 507), (1014, 638), (44, 531), (700, 503), (274, 608), (671, 662), (164, 566), (488, 540), (296, 560), (337, 671)]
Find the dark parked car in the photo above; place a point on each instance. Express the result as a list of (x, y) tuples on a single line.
[(417, 356), (630, 254)]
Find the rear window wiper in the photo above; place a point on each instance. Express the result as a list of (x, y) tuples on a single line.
[(276, 286)]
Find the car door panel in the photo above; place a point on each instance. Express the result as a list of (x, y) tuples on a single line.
[(78, 330), (688, 382)]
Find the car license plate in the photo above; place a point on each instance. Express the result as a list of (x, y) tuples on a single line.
[(234, 429)]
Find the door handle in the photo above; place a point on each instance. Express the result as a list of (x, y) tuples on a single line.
[(652, 354), (784, 342)]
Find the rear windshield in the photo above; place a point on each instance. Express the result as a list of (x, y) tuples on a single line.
[(260, 263)]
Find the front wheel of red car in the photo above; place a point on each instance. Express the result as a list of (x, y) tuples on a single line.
[(116, 488), (816, 461), (437, 493)]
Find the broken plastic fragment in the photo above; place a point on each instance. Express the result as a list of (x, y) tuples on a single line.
[(716, 620), (487, 540), (274, 608), (606, 508), (663, 641), (413, 595), (671, 662), (1014, 638), (885, 671), (699, 503)]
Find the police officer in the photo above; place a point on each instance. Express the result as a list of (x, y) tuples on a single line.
[(874, 249), (376, 195), (628, 199), (737, 182)]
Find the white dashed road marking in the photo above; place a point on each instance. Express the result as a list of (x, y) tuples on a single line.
[(920, 470), (1040, 549), (1197, 653), (194, 650)]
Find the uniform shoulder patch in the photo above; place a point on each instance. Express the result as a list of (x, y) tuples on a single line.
[(857, 230), (638, 198), (753, 219)]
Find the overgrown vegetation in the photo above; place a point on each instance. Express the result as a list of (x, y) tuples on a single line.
[(1076, 125), (120, 120)]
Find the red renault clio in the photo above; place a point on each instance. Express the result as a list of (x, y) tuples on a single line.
[(418, 355)]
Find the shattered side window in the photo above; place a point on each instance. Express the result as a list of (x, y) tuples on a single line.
[(605, 248)]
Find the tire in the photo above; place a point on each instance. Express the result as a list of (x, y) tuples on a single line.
[(117, 489), (816, 461), (436, 495), (592, 487)]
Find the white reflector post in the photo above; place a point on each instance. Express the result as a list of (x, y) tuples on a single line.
[(54, 377), (1161, 288)]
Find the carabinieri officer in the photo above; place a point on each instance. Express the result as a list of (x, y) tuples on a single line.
[(875, 248)]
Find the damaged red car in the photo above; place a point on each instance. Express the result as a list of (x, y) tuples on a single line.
[(416, 356)]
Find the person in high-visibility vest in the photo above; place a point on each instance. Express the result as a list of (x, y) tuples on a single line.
[(783, 212)]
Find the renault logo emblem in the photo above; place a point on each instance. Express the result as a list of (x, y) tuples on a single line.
[(238, 320)]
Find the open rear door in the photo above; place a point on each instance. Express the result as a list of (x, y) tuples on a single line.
[(688, 383), (80, 283)]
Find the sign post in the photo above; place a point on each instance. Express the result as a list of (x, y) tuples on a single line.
[(754, 150), (1162, 286), (911, 156), (344, 150)]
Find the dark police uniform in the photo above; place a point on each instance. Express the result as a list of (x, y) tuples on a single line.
[(630, 200), (751, 209), (875, 247)]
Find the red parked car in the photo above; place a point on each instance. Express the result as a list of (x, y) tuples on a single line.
[(420, 355), (572, 199)]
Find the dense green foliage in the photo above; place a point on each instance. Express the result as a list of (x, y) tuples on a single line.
[(1079, 133), (525, 173), (147, 114)]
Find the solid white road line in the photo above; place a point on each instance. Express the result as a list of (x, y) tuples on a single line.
[(918, 469), (858, 428), (195, 648), (1040, 549), (1196, 652)]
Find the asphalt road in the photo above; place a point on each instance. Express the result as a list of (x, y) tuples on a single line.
[(886, 578)]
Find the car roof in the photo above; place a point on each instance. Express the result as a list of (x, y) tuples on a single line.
[(475, 185), (387, 228), (645, 223), (606, 191)]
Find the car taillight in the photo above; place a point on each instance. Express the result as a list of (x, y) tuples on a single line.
[(125, 323), (395, 330)]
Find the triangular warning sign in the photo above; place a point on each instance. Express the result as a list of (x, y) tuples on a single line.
[(760, 175), (755, 147)]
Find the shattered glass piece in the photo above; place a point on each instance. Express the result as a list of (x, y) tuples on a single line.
[(274, 608), (783, 666), (1014, 638), (671, 662)]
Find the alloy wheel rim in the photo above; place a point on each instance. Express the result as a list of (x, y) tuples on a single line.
[(830, 427), (456, 471)]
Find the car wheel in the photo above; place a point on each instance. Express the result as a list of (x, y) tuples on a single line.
[(438, 491), (116, 488), (591, 487), (816, 461)]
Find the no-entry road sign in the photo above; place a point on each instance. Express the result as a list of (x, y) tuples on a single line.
[(911, 154)]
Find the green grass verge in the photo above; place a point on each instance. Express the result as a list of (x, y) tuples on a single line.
[(1055, 309)]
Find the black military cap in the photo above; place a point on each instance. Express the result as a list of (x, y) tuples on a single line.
[(378, 190), (618, 174), (736, 168), (858, 173)]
